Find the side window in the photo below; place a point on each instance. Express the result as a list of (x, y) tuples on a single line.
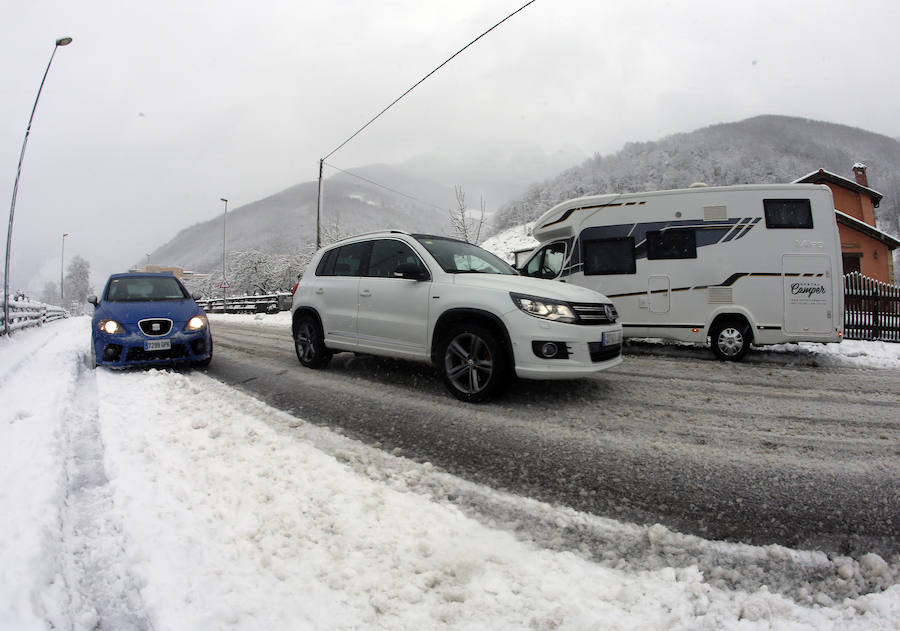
[(608, 256), (548, 262), (387, 255), (350, 258), (788, 213), (326, 264), (678, 243)]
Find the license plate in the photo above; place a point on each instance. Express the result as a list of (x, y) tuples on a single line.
[(157, 345), (612, 338)]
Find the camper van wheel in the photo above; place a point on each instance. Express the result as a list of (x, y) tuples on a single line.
[(730, 340)]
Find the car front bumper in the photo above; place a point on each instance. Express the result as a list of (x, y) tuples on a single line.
[(581, 350), (126, 350)]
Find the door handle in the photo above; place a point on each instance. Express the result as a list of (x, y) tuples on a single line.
[(365, 293), (319, 290)]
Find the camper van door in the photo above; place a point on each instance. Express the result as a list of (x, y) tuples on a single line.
[(808, 299)]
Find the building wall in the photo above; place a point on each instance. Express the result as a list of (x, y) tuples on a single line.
[(874, 256)]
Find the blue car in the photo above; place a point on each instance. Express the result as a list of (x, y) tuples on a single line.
[(145, 319)]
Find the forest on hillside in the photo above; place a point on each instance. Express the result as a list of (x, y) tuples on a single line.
[(761, 150)]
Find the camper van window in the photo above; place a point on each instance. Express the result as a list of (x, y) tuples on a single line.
[(788, 213), (671, 244), (609, 256), (548, 262)]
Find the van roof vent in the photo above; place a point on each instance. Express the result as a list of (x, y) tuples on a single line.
[(715, 213)]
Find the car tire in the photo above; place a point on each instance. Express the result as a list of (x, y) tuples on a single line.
[(473, 363), (309, 343), (730, 340)]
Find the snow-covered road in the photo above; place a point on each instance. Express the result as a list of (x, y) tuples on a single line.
[(167, 500)]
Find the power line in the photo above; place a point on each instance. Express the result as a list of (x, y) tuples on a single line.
[(420, 81), (387, 188)]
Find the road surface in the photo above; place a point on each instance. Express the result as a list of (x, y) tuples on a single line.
[(758, 452)]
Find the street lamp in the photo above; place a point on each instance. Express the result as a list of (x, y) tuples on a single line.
[(147, 267), (62, 41), (224, 280), (62, 260)]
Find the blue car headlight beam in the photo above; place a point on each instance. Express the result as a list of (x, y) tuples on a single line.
[(111, 327)]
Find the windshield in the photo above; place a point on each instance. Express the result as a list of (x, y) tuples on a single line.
[(459, 257), (144, 288)]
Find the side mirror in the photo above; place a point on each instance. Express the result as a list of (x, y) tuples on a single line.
[(93, 300), (197, 296), (410, 271)]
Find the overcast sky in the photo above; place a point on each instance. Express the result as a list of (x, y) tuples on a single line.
[(159, 109)]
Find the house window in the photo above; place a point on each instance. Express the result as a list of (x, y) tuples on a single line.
[(609, 256), (788, 213), (679, 243)]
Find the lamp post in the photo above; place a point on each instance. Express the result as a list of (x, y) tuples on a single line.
[(62, 41), (62, 260), (224, 279), (147, 266)]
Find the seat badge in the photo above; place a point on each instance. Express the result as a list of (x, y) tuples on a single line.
[(155, 326)]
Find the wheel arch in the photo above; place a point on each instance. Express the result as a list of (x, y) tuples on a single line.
[(302, 311), (736, 316), (452, 317)]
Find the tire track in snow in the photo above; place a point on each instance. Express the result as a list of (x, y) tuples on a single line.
[(102, 591)]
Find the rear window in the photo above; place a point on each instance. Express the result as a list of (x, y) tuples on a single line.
[(145, 288), (788, 213)]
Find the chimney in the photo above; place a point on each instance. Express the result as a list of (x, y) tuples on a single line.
[(859, 170)]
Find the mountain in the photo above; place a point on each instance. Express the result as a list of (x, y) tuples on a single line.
[(760, 150), (493, 174), (285, 223)]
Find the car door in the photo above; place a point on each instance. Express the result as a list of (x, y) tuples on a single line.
[(393, 312), (336, 293)]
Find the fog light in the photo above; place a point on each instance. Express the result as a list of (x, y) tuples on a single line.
[(548, 349)]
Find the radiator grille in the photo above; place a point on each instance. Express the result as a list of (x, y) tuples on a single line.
[(154, 327)]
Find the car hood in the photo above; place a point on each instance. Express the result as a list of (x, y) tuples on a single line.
[(538, 287), (131, 312)]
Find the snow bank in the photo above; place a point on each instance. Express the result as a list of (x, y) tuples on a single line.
[(167, 500), (237, 521)]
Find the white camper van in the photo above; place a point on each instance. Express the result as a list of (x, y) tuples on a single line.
[(747, 264)]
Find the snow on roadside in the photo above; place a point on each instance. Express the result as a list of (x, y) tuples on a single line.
[(234, 525), (38, 374), (225, 513)]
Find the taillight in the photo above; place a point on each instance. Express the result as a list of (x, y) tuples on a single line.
[(294, 289)]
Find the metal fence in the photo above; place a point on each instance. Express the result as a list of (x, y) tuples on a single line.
[(271, 303), (25, 313), (871, 309)]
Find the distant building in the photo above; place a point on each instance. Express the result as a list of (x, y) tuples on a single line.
[(864, 248), (176, 271)]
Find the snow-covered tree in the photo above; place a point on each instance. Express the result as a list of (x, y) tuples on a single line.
[(463, 225), (78, 281)]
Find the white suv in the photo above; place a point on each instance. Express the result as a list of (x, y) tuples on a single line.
[(446, 301)]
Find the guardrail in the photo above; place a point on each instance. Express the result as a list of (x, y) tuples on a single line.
[(270, 303), (25, 313)]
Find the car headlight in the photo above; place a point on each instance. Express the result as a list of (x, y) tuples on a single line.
[(544, 308), (111, 327), (195, 324)]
